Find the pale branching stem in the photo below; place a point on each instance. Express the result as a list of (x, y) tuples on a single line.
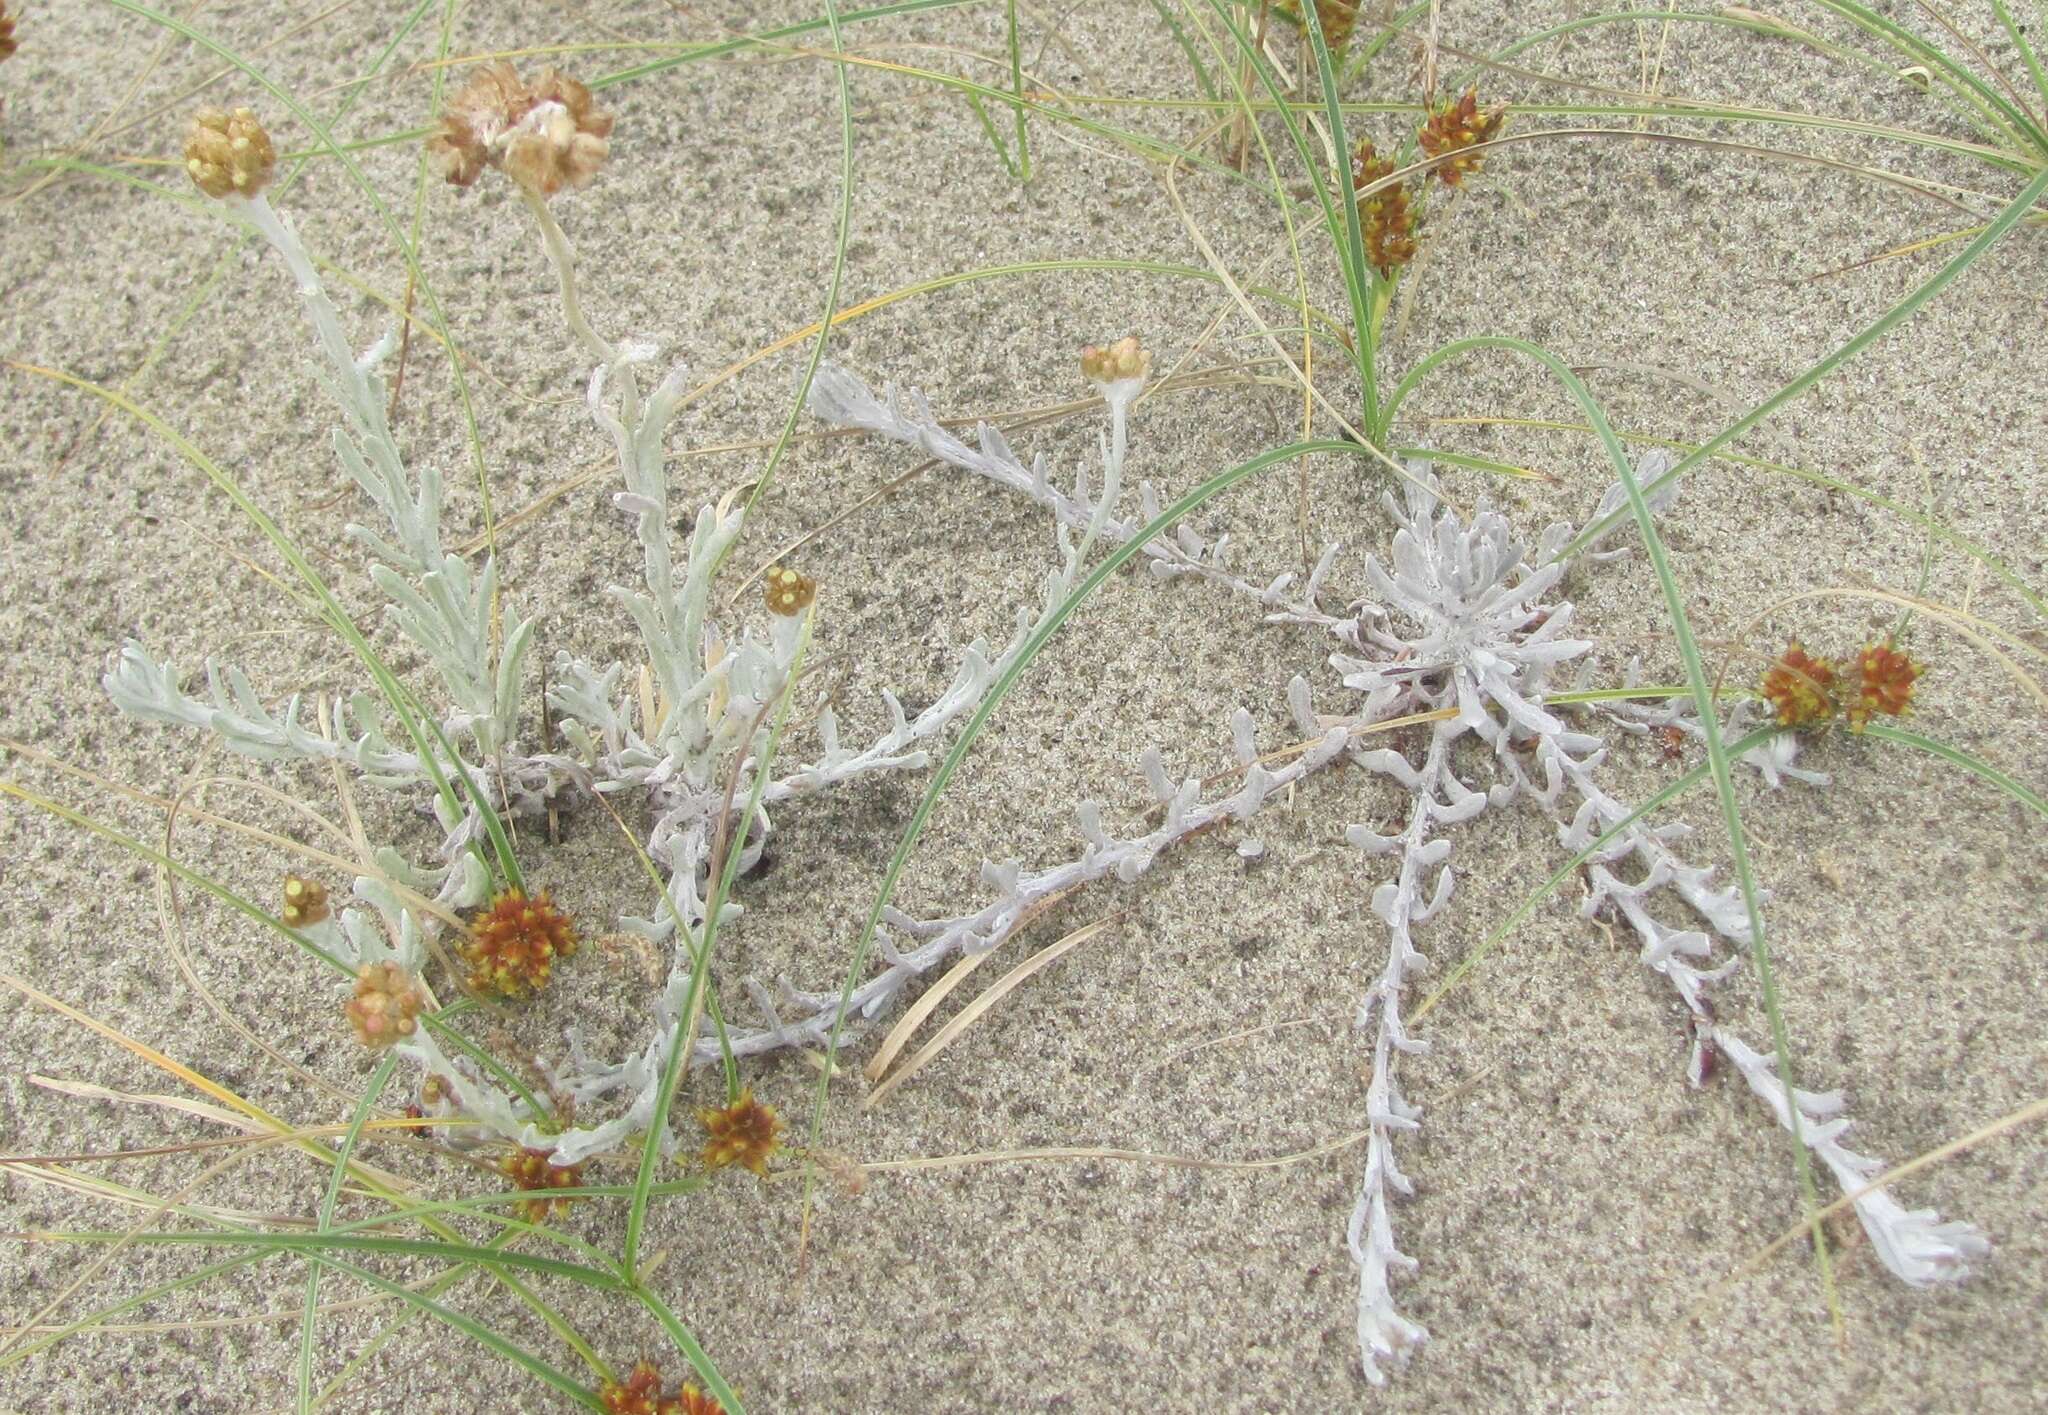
[(563, 255)]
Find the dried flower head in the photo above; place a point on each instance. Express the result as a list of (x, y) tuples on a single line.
[(1800, 686), (1884, 684), (305, 902), (742, 1134), (530, 1169), (7, 43), (1455, 126), (1125, 359), (514, 944), (1336, 19), (788, 593), (1388, 219), (546, 135), (386, 1002), (640, 1394), (229, 153)]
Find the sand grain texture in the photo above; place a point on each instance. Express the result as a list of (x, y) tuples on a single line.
[(1573, 1195)]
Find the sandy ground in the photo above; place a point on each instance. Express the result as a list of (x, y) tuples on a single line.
[(1573, 1196)]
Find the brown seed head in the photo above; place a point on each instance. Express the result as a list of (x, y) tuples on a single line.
[(514, 944), (1388, 219), (1455, 126), (530, 1169), (229, 154), (7, 44), (546, 135), (787, 593), (744, 1133), (1336, 18), (386, 1003), (1126, 358)]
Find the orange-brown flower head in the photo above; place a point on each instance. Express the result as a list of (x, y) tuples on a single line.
[(787, 593), (1884, 684), (1125, 359), (640, 1394), (1336, 19), (692, 1401), (514, 944), (1455, 126), (636, 1395), (742, 1134), (7, 44), (1388, 220), (229, 153), (530, 1169), (386, 1003), (305, 902), (1800, 687), (546, 135)]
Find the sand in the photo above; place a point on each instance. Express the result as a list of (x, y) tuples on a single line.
[(1574, 1197)]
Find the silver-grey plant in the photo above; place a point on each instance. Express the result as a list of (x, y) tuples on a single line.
[(1461, 621)]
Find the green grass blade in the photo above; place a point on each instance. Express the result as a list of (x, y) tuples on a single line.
[(1731, 814), (310, 1321), (988, 129), (994, 698), (2017, 34), (1346, 236), (475, 1330), (340, 1240), (1180, 37), (1899, 736), (1994, 109), (678, 1059), (771, 37), (1870, 334), (128, 1304), (424, 733), (1017, 87), (686, 1342), (841, 236), (184, 872)]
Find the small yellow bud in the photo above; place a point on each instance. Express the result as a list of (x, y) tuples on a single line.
[(1126, 358), (788, 593), (385, 1004), (305, 902), (229, 153)]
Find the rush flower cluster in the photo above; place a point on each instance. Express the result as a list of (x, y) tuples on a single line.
[(1456, 126), (1805, 690), (744, 1133), (1336, 18), (514, 944), (531, 1169), (1388, 219), (640, 1394)]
